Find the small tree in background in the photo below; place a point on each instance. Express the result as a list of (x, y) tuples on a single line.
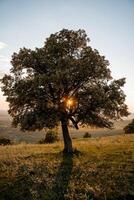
[(130, 127), (5, 141), (50, 137), (87, 135), (64, 80)]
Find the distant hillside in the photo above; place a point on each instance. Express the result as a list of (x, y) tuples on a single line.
[(6, 130), (4, 114)]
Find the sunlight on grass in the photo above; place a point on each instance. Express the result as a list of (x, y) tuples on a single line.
[(103, 170)]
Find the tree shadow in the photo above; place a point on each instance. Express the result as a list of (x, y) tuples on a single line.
[(24, 184), (62, 179)]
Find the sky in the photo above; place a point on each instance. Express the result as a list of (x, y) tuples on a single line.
[(108, 23)]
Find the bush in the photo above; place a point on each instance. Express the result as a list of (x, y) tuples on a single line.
[(87, 135), (129, 128), (51, 137), (5, 141)]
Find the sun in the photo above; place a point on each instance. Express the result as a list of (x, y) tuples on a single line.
[(70, 102)]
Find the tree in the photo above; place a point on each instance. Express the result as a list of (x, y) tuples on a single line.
[(130, 127), (65, 80)]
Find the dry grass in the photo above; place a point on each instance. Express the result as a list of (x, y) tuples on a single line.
[(102, 170)]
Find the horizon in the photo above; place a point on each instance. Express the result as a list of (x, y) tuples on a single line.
[(109, 25)]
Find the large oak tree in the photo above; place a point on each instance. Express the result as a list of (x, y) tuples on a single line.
[(65, 80)]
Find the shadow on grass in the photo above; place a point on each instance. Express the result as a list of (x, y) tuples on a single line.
[(54, 185), (62, 179), (26, 187)]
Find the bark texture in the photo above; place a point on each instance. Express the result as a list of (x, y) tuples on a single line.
[(67, 139)]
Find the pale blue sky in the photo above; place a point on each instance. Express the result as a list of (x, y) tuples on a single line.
[(108, 23)]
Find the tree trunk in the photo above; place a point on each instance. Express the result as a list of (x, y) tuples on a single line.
[(67, 139)]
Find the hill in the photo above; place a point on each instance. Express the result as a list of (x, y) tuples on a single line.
[(6, 130), (102, 170)]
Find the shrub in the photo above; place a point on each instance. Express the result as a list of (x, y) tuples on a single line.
[(51, 137), (129, 128), (74, 138), (5, 141), (87, 135)]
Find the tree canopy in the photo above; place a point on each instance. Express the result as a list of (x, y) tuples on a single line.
[(65, 79)]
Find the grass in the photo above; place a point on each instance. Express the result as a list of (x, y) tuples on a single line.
[(103, 170)]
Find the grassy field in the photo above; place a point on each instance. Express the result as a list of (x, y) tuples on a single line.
[(102, 170)]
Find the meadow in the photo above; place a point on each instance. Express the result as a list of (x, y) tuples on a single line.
[(101, 169)]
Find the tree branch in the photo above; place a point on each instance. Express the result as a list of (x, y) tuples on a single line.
[(74, 122)]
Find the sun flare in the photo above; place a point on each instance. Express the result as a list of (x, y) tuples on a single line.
[(70, 102)]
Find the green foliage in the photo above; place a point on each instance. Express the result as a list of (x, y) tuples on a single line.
[(5, 141), (87, 135), (51, 137), (130, 127), (66, 67)]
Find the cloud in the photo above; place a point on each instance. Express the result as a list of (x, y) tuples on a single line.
[(1, 73), (4, 59), (3, 45)]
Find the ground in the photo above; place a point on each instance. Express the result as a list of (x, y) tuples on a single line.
[(102, 169)]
